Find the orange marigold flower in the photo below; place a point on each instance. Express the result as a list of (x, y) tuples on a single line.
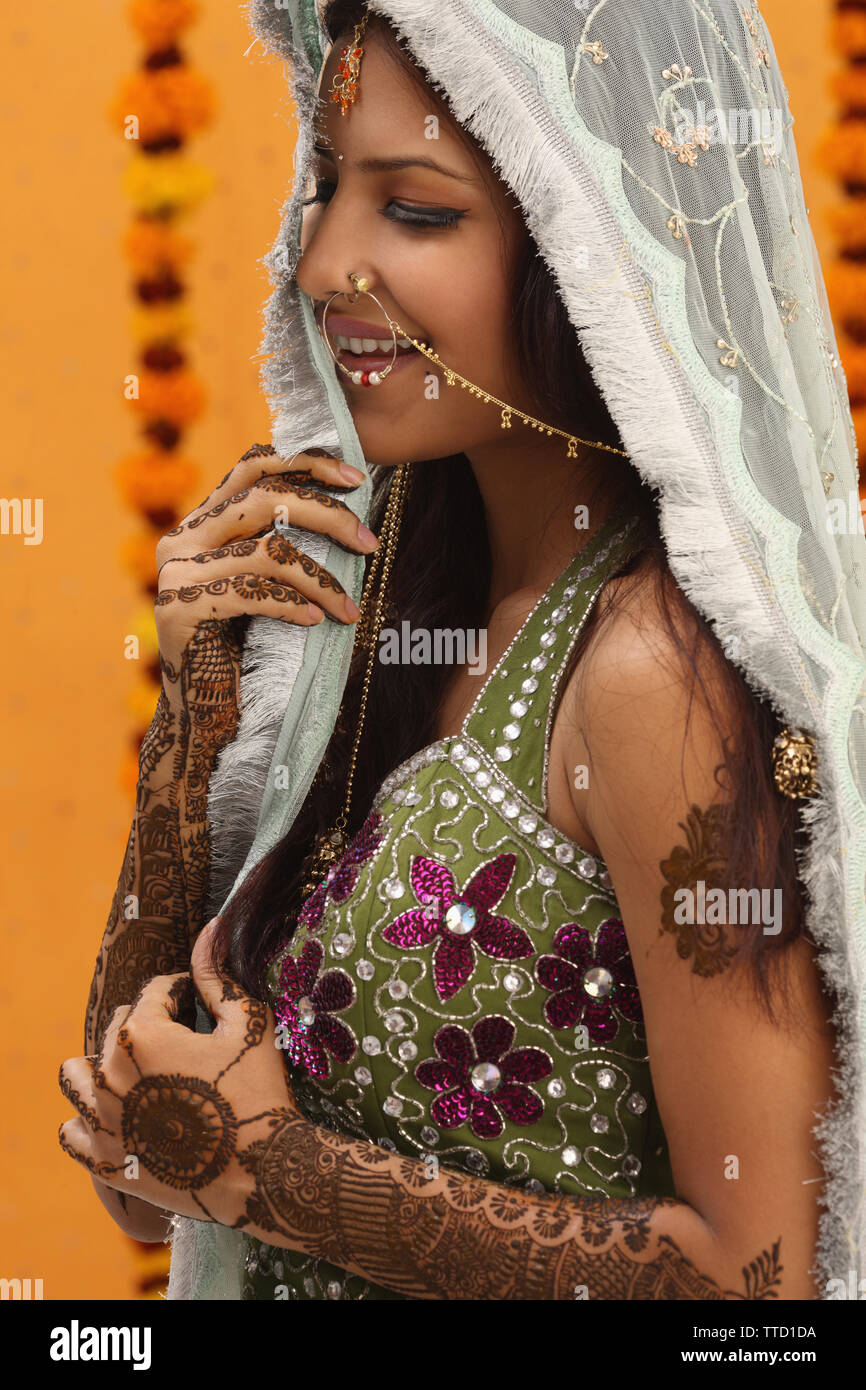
[(151, 246), (157, 479), (160, 323), (170, 101), (160, 21), (849, 33), (176, 396), (847, 221), (842, 150)]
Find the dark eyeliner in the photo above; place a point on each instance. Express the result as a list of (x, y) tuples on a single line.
[(396, 212)]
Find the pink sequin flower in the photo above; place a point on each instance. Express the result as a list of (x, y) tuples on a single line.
[(343, 875), (590, 987), (306, 1006), (460, 922), (480, 1079)]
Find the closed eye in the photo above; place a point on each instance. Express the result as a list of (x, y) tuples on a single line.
[(404, 213)]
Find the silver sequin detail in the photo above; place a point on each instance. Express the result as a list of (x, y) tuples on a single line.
[(545, 838), (342, 944), (599, 1124), (393, 1106), (483, 778), (538, 663), (363, 1076), (605, 1078), (571, 1156), (564, 853), (510, 809), (496, 794), (394, 888), (527, 824), (511, 732), (394, 1021), (529, 686), (512, 982), (407, 1051), (502, 753), (636, 1103), (335, 1290), (533, 1185), (597, 982), (471, 763), (371, 1045), (398, 989), (546, 875), (518, 708), (485, 1077), (556, 1087), (365, 970), (587, 866), (429, 1135), (631, 1166), (448, 798)]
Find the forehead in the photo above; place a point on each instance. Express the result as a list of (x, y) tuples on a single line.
[(388, 102)]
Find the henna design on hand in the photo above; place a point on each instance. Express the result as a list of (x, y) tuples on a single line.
[(249, 586), (702, 857)]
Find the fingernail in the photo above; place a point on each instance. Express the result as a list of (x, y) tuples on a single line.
[(352, 475), (315, 612), (366, 537), (352, 609)]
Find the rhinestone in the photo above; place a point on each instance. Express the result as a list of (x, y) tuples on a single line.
[(460, 918), (571, 1156), (556, 1088), (335, 1290), (399, 796), (279, 1268), (476, 1161), (342, 944), (512, 982), (511, 732), (363, 1075), (558, 614), (538, 663), (458, 751), (394, 888), (485, 1077), (585, 572), (587, 866), (429, 1135), (433, 753), (306, 1012), (546, 875), (564, 853), (631, 1166), (407, 1051), (548, 639), (503, 673), (510, 809), (387, 1144), (371, 1045), (398, 989), (393, 1106), (605, 1078), (518, 708), (365, 970), (545, 838), (471, 763), (605, 879), (527, 824), (412, 798), (394, 1021), (502, 753), (309, 1288), (599, 1124), (597, 982), (533, 1185), (636, 1103), (483, 778), (496, 794), (570, 591), (529, 686)]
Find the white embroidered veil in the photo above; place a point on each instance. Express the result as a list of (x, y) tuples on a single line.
[(649, 143)]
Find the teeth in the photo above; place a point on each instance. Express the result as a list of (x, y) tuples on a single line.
[(359, 345)]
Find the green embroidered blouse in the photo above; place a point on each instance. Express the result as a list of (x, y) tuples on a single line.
[(459, 989)]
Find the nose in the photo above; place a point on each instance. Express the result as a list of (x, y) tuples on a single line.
[(330, 255)]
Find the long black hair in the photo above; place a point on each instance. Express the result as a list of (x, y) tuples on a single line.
[(432, 586)]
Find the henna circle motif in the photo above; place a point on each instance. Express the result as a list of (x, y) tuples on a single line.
[(181, 1129)]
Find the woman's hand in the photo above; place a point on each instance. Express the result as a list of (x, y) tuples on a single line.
[(163, 1112), (226, 559)]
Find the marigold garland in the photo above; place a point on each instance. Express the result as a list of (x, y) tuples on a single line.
[(157, 109), (842, 150)]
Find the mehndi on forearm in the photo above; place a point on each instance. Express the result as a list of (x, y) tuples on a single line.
[(160, 902), (453, 1236)]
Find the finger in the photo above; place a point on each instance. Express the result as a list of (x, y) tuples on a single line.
[(220, 994), (76, 1140), (242, 595), (275, 557), (76, 1082), (277, 500), (262, 460)]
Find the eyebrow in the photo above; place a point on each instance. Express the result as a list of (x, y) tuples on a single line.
[(396, 162)]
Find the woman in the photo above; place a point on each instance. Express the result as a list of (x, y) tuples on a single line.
[(539, 951)]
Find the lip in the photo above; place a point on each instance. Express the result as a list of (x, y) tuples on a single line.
[(348, 327)]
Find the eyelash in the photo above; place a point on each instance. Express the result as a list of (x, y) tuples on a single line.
[(444, 217)]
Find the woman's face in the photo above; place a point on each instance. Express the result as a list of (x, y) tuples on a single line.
[(437, 247)]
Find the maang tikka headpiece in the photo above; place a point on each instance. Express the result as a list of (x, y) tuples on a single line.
[(344, 88)]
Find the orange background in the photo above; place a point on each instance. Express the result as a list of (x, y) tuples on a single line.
[(67, 605)]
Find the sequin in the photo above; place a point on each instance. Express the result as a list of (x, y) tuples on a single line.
[(527, 824), (343, 875), (518, 708), (636, 1103), (393, 1106), (365, 970), (503, 753), (394, 1021), (556, 1088), (398, 989), (363, 1075), (577, 974), (605, 1078), (571, 1156), (454, 1076), (371, 1045), (454, 954), (599, 1124), (448, 798), (429, 1135), (302, 994), (407, 1051), (529, 686), (631, 1165)]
